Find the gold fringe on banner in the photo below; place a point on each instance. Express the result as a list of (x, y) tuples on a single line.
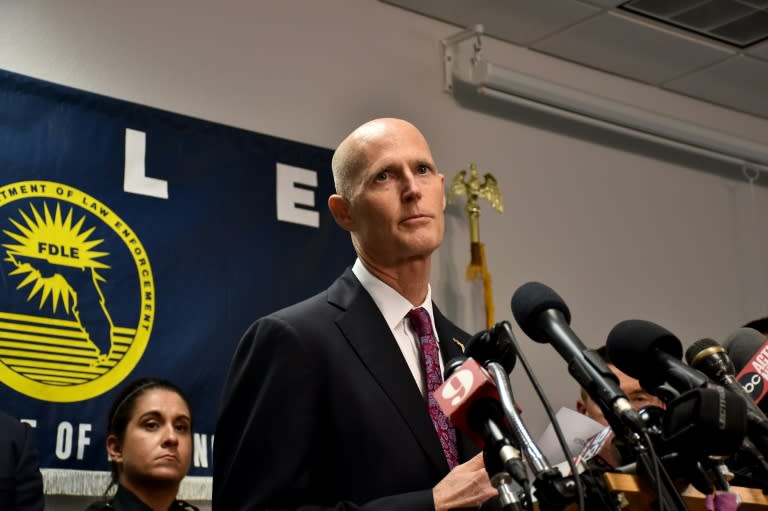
[(92, 483), (477, 270)]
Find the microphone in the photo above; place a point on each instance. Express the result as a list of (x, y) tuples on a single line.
[(710, 419), (488, 348), (709, 357), (539, 463), (496, 350), (545, 317), (470, 399), (704, 426), (467, 387), (651, 354), (748, 349), (493, 345)]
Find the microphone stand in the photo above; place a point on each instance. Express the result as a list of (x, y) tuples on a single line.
[(758, 464), (553, 491), (649, 465), (552, 488), (500, 460), (626, 422)]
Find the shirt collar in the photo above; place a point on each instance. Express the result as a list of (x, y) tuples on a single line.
[(393, 305)]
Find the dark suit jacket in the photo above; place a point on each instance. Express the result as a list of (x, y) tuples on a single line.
[(320, 411), (124, 500), (21, 484)]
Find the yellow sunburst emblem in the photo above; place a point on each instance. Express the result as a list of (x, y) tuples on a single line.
[(59, 342)]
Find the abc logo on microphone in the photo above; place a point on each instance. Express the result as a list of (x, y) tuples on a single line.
[(753, 383)]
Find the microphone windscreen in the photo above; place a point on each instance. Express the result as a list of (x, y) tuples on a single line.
[(706, 422), (532, 299), (492, 346), (742, 345), (631, 345)]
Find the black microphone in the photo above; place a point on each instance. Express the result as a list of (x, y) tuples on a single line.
[(495, 351), (709, 357), (652, 354), (748, 349), (544, 317), (704, 425), (493, 345)]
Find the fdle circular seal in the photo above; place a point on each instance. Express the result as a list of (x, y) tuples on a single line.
[(78, 298)]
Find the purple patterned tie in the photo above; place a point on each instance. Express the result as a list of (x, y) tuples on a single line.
[(430, 359)]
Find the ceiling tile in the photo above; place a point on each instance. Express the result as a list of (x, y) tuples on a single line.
[(734, 22), (755, 3), (608, 3), (627, 47), (662, 8), (745, 31), (519, 22), (740, 83)]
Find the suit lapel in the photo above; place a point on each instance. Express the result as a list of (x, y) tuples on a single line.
[(367, 331), (452, 339)]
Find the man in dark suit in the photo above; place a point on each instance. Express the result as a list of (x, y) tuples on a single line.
[(21, 484), (327, 403)]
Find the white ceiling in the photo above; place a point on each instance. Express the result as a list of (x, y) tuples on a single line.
[(599, 34)]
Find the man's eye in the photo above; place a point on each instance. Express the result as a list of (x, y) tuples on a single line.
[(422, 169), (382, 176)]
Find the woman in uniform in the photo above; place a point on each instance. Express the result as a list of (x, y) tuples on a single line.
[(149, 442)]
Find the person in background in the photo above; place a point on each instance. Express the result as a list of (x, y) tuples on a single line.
[(638, 396), (329, 403), (21, 484), (149, 442)]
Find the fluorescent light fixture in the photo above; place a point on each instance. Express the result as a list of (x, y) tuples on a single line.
[(555, 99)]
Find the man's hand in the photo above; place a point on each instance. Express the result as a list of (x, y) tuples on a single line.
[(467, 485)]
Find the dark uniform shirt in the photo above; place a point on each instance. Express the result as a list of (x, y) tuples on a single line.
[(124, 500)]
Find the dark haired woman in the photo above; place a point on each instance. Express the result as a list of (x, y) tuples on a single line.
[(149, 441)]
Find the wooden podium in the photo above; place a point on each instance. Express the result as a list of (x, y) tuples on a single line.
[(640, 495)]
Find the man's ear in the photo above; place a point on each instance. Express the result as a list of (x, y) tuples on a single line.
[(442, 184), (340, 211), (114, 449), (581, 407)]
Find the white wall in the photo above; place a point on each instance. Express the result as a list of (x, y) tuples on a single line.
[(619, 235)]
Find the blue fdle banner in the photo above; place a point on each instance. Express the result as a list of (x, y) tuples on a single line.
[(137, 242)]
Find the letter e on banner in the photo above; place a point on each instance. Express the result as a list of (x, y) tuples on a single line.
[(289, 196)]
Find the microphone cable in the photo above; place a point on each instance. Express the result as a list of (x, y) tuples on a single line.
[(580, 494)]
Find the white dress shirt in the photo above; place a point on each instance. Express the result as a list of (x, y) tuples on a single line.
[(394, 307)]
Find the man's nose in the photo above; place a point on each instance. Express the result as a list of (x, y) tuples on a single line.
[(412, 187)]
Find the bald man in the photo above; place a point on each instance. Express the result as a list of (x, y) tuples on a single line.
[(328, 402)]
